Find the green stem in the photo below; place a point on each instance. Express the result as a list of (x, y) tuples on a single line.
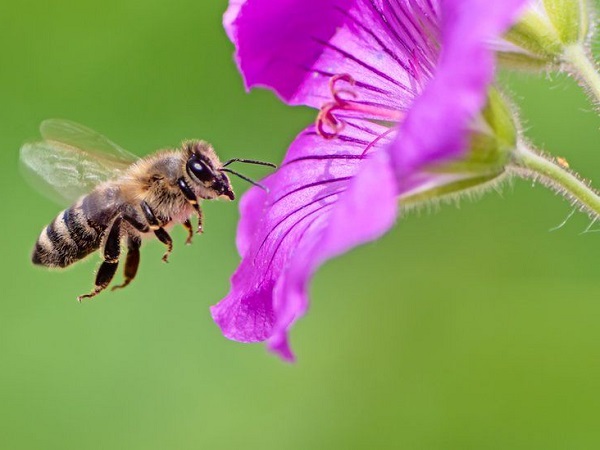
[(584, 68), (530, 164)]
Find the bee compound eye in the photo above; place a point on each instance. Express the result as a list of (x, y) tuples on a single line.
[(199, 170)]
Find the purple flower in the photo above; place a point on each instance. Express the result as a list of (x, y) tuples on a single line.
[(398, 84)]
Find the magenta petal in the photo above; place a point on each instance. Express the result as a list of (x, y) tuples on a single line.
[(250, 218), (457, 92), (316, 209), (364, 212), (273, 39), (328, 196), (295, 46), (233, 10)]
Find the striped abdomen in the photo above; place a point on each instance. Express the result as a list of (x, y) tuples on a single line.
[(69, 238)]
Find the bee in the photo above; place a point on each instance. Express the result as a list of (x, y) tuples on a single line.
[(118, 196)]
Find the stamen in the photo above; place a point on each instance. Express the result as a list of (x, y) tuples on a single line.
[(326, 120)]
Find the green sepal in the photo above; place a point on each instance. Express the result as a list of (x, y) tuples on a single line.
[(570, 19), (536, 35), (491, 143), (542, 34), (446, 190), (523, 61)]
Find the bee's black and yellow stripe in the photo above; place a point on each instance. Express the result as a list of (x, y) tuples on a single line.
[(70, 237)]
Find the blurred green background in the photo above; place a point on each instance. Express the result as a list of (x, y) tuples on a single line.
[(464, 328)]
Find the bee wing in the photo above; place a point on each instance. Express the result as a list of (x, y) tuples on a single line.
[(71, 160), (89, 141)]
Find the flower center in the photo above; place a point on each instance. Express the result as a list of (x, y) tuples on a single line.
[(329, 126)]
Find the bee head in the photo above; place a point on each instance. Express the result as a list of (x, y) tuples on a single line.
[(203, 168), (206, 171)]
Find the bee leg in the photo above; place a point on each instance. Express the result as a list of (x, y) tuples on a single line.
[(159, 231), (164, 237), (188, 226), (132, 261), (141, 227), (192, 200), (199, 214), (111, 253)]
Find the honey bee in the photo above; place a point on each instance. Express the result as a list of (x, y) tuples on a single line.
[(118, 196)]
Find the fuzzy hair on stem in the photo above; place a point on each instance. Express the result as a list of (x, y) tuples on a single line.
[(546, 170)]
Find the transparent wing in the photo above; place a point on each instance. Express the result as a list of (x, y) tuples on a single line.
[(89, 141), (71, 160)]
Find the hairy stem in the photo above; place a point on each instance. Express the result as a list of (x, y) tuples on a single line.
[(528, 163), (583, 67)]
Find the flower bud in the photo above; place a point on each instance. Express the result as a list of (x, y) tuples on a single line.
[(570, 19), (539, 38)]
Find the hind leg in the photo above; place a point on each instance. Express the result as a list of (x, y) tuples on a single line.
[(111, 253), (132, 261)]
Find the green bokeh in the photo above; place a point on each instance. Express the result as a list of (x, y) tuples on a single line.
[(464, 328)]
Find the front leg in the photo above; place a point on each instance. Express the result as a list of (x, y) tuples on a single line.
[(190, 196), (188, 226), (159, 231)]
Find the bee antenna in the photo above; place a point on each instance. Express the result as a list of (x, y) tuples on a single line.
[(250, 161), (243, 177)]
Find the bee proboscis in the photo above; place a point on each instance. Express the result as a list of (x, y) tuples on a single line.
[(116, 196)]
